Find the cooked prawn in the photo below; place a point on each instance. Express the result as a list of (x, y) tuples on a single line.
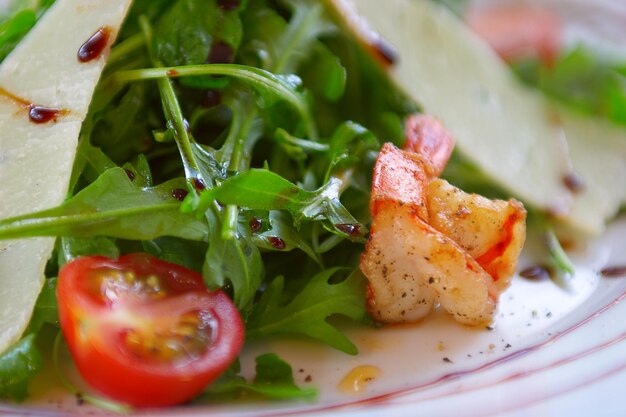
[(517, 31), (432, 243)]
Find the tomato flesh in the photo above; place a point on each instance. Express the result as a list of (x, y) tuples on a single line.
[(143, 331)]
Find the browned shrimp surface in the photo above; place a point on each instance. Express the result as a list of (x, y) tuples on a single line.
[(432, 243)]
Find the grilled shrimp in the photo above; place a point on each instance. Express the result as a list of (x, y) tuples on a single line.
[(432, 243)]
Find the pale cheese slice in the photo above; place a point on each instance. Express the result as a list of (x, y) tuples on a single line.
[(515, 135), (503, 127), (598, 151), (36, 159)]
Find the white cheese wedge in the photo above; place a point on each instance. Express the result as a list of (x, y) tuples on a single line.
[(514, 134), (499, 124), (36, 159), (598, 151)]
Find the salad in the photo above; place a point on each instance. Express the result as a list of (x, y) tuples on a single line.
[(219, 195)]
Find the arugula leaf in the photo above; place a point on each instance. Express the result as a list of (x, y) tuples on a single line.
[(581, 80), (17, 366), (278, 46), (111, 206), (13, 30), (90, 162), (270, 87), (232, 261), (121, 127), (16, 20), (45, 309), (69, 248), (308, 311), (183, 252), (273, 380), (305, 26), (558, 258), (186, 34), (324, 74), (261, 189), (151, 9), (280, 235)]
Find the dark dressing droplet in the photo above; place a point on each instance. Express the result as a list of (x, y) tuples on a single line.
[(36, 113), (384, 51), (130, 174), (40, 114), (277, 242), (255, 224), (351, 230), (199, 184), (228, 4), (94, 46), (535, 273), (614, 271), (179, 194), (574, 182), (221, 53)]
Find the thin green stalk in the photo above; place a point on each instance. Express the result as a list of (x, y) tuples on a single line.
[(558, 257), (126, 48), (260, 79), (31, 227), (298, 27), (237, 136), (172, 110)]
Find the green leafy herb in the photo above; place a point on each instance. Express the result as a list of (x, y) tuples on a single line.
[(111, 206), (271, 87), (273, 380), (186, 33), (45, 308), (558, 258), (280, 235), (261, 189), (17, 366), (16, 20), (581, 80), (232, 261), (307, 313), (13, 30)]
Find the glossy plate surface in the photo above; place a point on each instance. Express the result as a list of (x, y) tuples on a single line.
[(554, 349)]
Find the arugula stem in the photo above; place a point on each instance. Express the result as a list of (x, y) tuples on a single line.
[(298, 28), (126, 48), (558, 257), (237, 136), (21, 227), (173, 112), (258, 78)]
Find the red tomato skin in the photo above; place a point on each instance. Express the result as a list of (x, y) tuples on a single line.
[(106, 366)]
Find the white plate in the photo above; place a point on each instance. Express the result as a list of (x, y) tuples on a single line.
[(554, 351)]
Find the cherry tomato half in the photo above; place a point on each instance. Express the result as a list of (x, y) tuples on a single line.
[(143, 331)]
